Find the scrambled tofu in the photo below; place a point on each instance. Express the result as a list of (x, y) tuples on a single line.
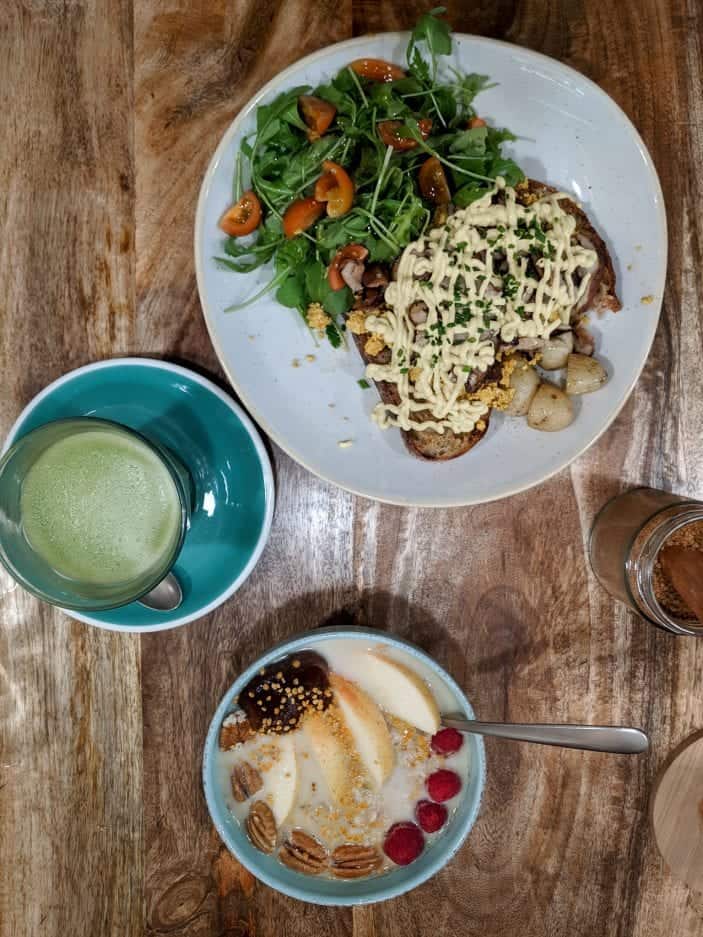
[(374, 345), (526, 197), (494, 396), (356, 322), (317, 318), (508, 368)]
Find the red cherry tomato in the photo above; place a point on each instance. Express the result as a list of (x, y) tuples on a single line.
[(300, 214), (317, 114), (376, 70), (243, 217), (335, 187), (477, 122), (388, 132), (433, 182)]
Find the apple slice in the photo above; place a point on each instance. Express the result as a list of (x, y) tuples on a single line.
[(281, 779), (332, 751), (368, 728), (399, 690)]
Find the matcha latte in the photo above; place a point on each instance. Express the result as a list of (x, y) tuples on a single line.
[(100, 507)]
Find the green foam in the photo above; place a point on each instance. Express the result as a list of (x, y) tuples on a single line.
[(100, 507)]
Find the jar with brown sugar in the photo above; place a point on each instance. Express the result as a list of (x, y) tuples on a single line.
[(626, 541)]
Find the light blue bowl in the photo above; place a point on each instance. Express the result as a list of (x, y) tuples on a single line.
[(327, 891)]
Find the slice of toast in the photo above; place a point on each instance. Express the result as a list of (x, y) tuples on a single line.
[(428, 444), (423, 443), (601, 294)]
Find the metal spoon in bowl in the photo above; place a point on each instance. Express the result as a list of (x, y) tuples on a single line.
[(620, 740), (164, 597)]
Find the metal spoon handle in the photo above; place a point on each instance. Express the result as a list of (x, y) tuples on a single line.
[(620, 740)]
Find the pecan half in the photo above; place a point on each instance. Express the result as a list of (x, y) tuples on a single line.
[(234, 730), (261, 826), (303, 853), (246, 781), (352, 861)]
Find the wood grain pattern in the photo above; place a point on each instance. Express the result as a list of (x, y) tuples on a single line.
[(111, 111), (70, 699)]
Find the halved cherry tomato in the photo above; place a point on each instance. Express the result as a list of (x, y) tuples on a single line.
[(300, 214), (388, 132), (317, 114), (350, 252), (243, 217), (477, 122), (377, 70), (336, 188), (433, 182)]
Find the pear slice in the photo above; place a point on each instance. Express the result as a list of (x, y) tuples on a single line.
[(367, 726), (333, 750), (281, 779), (399, 690)]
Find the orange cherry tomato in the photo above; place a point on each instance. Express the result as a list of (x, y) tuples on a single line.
[(336, 188), (376, 70), (350, 252), (388, 132), (243, 217), (433, 182), (317, 114), (300, 214), (477, 122)]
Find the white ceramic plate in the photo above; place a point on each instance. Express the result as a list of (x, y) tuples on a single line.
[(572, 135)]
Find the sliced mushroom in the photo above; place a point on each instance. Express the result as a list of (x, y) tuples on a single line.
[(394, 268), (529, 344), (375, 275), (370, 297), (474, 380), (424, 251), (418, 312), (352, 271)]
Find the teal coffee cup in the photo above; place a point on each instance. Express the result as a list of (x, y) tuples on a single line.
[(92, 514)]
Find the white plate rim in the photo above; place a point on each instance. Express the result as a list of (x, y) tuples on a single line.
[(209, 316), (267, 471)]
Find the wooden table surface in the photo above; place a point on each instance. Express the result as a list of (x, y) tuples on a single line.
[(110, 113)]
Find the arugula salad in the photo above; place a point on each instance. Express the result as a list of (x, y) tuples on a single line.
[(357, 169)]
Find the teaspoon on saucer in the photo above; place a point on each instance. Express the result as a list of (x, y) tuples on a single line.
[(164, 597)]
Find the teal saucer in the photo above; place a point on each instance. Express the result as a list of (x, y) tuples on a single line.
[(218, 443)]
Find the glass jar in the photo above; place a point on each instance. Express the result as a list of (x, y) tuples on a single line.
[(625, 541)]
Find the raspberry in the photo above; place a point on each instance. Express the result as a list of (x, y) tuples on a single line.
[(447, 741), (403, 843), (431, 817), (443, 785)]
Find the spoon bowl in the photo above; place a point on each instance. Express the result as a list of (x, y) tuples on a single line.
[(164, 597)]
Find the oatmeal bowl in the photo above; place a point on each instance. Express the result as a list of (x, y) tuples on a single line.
[(327, 773)]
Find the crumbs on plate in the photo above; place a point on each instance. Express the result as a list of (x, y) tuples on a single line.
[(647, 300), (345, 443)]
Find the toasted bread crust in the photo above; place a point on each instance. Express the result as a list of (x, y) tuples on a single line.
[(423, 443), (601, 295)]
